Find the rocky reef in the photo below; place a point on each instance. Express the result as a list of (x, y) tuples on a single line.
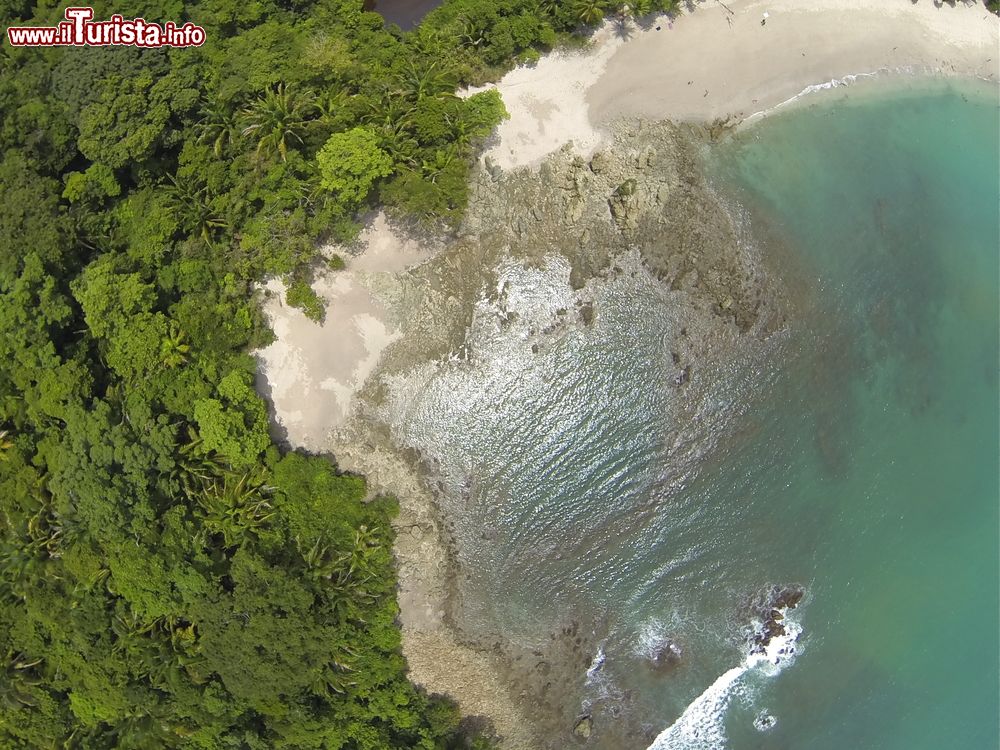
[(645, 189), (665, 655), (639, 205)]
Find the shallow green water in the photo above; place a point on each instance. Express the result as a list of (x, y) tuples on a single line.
[(891, 204), (860, 458)]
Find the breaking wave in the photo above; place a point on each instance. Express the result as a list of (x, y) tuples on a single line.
[(702, 725)]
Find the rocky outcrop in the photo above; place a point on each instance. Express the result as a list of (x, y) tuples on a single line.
[(769, 611), (644, 190)]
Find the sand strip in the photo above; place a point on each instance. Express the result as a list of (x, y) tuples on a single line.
[(717, 61)]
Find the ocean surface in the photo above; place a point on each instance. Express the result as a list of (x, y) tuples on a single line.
[(856, 454)]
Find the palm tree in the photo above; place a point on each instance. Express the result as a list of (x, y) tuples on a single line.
[(160, 651), (334, 679), (329, 105), (25, 565), (5, 445), (352, 572), (549, 7), (276, 118), (470, 34), (191, 205), (18, 679), (195, 467), (640, 8), (235, 505), (428, 41), (45, 530), (391, 120), (174, 347), (434, 167), (415, 83), (220, 126), (589, 12)]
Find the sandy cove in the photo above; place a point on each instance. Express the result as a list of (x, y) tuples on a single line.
[(312, 371), (711, 63), (708, 64)]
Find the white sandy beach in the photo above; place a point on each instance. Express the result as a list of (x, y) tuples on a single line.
[(719, 61), (312, 371)]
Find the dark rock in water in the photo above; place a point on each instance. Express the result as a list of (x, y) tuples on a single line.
[(666, 654), (587, 313), (770, 610), (764, 721), (786, 597)]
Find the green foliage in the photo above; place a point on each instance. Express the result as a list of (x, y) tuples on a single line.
[(589, 12), (484, 111), (276, 119), (97, 183), (130, 120), (236, 425), (350, 163), (300, 294)]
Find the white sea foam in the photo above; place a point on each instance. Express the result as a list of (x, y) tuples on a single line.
[(833, 83), (596, 664), (764, 721), (701, 726)]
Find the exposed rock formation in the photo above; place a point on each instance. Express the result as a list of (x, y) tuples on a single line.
[(770, 611)]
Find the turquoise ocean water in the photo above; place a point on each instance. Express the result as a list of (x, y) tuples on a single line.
[(858, 458)]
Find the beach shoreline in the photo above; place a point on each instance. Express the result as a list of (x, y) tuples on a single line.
[(656, 69), (693, 68), (719, 299), (577, 98)]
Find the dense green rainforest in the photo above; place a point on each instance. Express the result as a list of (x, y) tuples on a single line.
[(168, 576)]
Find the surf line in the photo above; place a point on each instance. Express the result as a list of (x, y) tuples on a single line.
[(701, 726)]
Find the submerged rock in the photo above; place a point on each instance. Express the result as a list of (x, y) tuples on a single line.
[(665, 655), (764, 721), (583, 728)]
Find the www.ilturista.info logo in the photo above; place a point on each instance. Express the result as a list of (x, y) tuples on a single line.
[(79, 31)]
